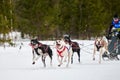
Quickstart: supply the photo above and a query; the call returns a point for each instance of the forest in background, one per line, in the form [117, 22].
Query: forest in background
[51, 19]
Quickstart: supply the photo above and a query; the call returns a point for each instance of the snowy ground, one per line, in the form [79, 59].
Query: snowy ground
[16, 64]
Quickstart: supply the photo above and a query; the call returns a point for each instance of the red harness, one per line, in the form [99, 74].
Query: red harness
[60, 52]
[31, 46]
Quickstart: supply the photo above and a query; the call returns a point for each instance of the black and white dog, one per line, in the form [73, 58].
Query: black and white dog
[42, 50]
[75, 47]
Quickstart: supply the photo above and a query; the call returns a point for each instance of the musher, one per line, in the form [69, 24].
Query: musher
[114, 29]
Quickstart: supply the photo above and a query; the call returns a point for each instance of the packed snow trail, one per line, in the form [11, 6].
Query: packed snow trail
[16, 64]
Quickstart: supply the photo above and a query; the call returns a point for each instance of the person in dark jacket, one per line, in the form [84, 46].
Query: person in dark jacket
[115, 26]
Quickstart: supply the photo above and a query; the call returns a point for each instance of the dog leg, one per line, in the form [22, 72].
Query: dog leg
[50, 62]
[100, 55]
[69, 57]
[58, 58]
[43, 60]
[78, 56]
[35, 59]
[72, 58]
[65, 58]
[60, 62]
[94, 52]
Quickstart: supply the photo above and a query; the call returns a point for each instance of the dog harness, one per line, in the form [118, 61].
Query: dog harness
[98, 44]
[61, 51]
[31, 46]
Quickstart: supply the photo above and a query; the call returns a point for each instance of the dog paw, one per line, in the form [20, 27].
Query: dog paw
[59, 65]
[33, 63]
[93, 59]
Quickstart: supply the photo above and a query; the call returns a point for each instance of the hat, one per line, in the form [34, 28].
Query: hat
[115, 16]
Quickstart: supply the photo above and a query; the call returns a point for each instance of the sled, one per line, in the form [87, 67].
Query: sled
[114, 45]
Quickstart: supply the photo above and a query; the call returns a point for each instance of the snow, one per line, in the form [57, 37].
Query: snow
[16, 64]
